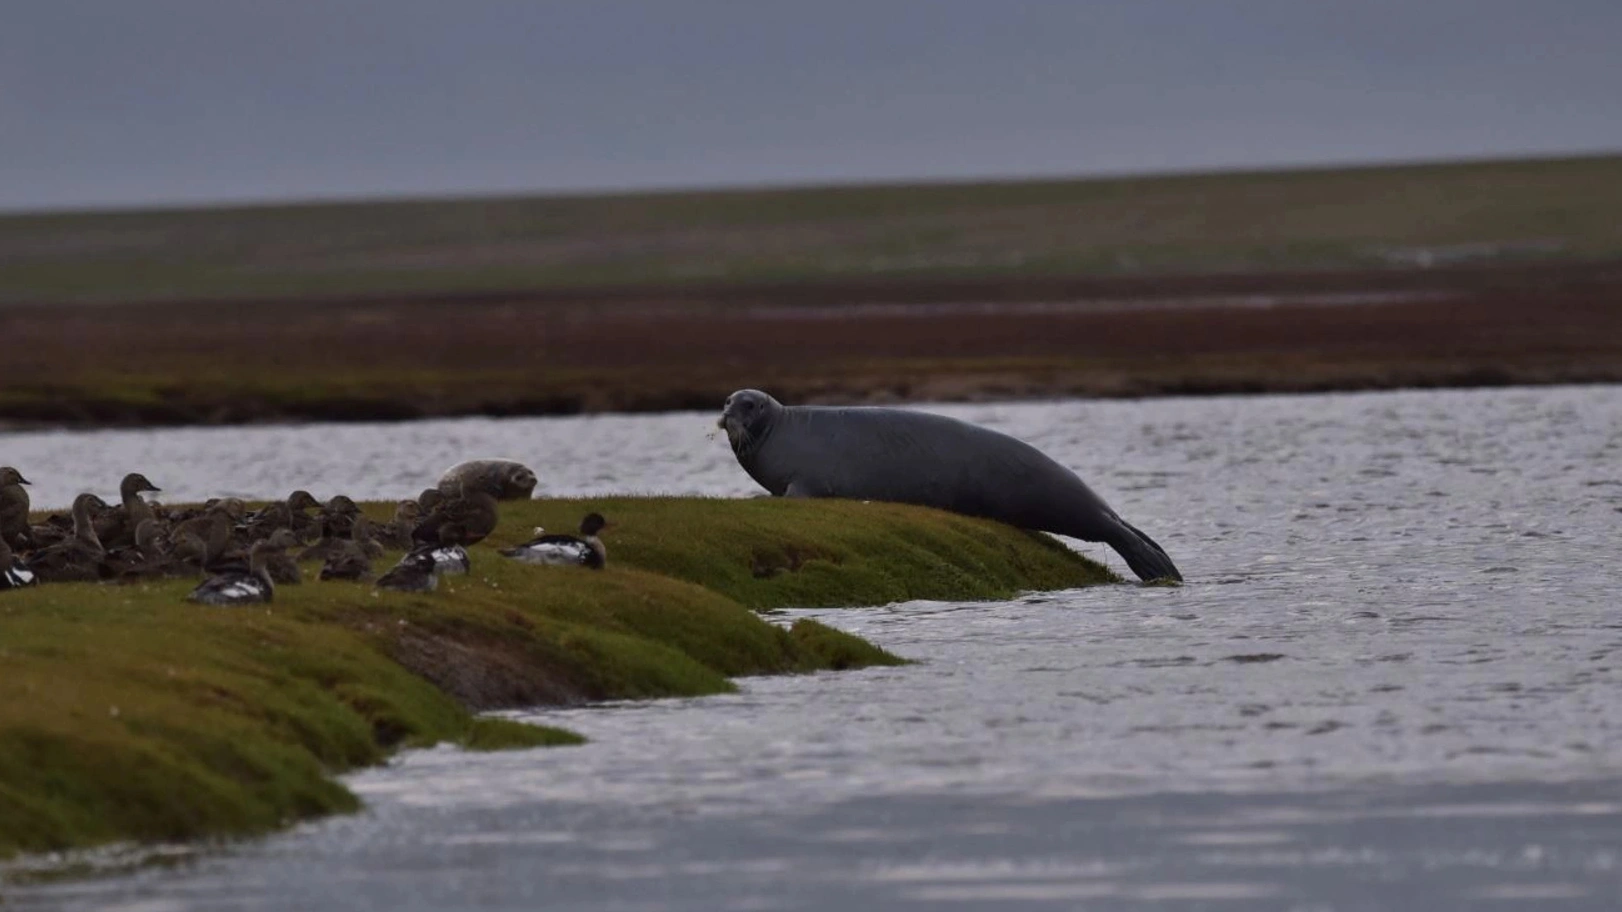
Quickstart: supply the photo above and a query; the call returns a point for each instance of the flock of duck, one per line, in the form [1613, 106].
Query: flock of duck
[242, 555]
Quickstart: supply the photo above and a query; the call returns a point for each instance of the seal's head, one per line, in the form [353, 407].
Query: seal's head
[520, 482]
[746, 417]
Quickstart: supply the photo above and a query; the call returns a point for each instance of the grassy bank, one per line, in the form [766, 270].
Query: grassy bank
[129, 714]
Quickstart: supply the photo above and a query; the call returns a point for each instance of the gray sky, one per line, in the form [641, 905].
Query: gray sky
[164, 101]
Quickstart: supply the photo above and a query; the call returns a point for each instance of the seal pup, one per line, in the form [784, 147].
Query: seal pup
[566, 550]
[503, 479]
[889, 454]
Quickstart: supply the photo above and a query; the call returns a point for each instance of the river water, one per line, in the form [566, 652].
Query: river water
[1394, 680]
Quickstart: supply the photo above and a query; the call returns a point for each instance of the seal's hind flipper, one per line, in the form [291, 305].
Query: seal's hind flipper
[1146, 558]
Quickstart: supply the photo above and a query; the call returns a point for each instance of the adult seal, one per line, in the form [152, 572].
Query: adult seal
[502, 479]
[912, 457]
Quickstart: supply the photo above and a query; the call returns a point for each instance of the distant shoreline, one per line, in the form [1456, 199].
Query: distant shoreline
[656, 349]
[98, 415]
[1464, 274]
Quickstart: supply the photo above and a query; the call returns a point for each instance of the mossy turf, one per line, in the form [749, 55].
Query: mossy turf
[127, 713]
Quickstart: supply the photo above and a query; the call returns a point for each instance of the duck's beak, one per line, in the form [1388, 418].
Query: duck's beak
[22, 480]
[154, 489]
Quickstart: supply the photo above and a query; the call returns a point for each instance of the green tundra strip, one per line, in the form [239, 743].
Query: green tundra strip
[127, 713]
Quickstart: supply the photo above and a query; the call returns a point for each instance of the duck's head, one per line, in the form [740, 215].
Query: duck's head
[135, 483]
[148, 535]
[746, 415]
[10, 476]
[274, 513]
[592, 524]
[429, 499]
[302, 500]
[89, 503]
[342, 506]
[280, 540]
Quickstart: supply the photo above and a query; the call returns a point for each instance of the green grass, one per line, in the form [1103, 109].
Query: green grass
[127, 713]
[1225, 221]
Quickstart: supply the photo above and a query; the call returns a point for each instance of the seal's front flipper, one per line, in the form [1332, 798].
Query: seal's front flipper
[798, 488]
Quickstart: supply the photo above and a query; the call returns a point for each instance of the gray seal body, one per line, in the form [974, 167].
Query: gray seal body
[888, 454]
[503, 479]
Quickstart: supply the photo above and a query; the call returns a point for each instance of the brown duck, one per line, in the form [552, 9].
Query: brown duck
[429, 499]
[463, 519]
[305, 526]
[116, 527]
[151, 558]
[396, 534]
[263, 523]
[338, 517]
[346, 561]
[14, 505]
[204, 539]
[79, 557]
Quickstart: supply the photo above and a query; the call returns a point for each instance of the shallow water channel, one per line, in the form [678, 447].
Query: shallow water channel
[1393, 681]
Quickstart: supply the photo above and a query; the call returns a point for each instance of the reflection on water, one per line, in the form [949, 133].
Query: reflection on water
[1393, 681]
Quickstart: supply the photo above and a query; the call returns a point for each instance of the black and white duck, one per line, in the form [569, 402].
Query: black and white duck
[13, 575]
[416, 572]
[446, 558]
[253, 587]
[586, 550]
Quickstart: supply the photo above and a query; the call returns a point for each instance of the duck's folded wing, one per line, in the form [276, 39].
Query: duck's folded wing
[560, 547]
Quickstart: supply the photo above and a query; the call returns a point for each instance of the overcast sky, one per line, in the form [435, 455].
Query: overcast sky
[166, 101]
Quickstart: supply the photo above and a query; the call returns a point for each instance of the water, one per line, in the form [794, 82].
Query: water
[1393, 681]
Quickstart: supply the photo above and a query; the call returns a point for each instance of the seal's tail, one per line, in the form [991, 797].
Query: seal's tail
[1147, 559]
